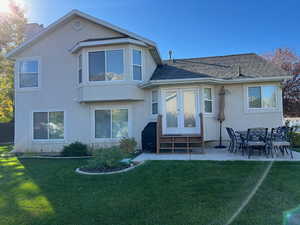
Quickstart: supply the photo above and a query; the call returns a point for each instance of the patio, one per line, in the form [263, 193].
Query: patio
[216, 155]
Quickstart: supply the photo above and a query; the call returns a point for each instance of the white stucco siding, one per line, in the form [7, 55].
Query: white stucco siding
[59, 90]
[149, 65]
[236, 113]
[58, 87]
[240, 118]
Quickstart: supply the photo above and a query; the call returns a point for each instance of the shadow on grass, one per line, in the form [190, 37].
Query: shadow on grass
[278, 199]
[39, 191]
[5, 148]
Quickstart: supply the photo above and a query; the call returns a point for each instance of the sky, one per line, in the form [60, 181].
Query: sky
[191, 28]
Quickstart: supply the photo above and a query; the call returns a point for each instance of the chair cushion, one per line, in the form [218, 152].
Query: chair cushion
[281, 143]
[256, 143]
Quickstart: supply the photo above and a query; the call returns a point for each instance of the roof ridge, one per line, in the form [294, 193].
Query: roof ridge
[218, 56]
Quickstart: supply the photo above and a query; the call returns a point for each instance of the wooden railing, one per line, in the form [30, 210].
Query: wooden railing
[202, 129]
[158, 132]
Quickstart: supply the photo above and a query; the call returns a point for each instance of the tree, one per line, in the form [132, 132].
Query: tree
[289, 61]
[12, 27]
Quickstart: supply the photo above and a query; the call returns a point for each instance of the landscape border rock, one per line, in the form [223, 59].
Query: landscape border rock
[107, 173]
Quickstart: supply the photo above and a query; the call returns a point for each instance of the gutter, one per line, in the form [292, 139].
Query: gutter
[152, 83]
[153, 50]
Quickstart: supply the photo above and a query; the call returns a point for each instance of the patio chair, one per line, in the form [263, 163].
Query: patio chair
[256, 139]
[280, 140]
[236, 142]
[231, 144]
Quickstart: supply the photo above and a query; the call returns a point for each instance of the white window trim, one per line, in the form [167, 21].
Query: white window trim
[261, 110]
[212, 101]
[48, 140]
[154, 114]
[93, 122]
[132, 64]
[105, 50]
[17, 71]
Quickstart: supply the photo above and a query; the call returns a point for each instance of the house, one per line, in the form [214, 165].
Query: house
[83, 79]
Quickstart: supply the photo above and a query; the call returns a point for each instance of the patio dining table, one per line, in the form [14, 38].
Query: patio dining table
[243, 134]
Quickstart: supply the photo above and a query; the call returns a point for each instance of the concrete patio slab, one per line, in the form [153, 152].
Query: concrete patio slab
[216, 155]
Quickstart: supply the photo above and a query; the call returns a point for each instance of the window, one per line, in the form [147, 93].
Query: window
[106, 65]
[208, 100]
[48, 125]
[154, 102]
[28, 74]
[137, 64]
[80, 69]
[262, 97]
[111, 123]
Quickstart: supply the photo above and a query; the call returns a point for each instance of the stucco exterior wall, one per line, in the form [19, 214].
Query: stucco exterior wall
[236, 113]
[239, 118]
[59, 89]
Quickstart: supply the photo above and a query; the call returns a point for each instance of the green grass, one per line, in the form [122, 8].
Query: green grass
[297, 149]
[40, 192]
[279, 193]
[5, 148]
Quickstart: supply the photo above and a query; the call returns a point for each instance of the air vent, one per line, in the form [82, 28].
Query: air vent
[77, 25]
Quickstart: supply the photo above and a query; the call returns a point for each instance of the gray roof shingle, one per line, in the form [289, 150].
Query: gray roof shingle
[225, 67]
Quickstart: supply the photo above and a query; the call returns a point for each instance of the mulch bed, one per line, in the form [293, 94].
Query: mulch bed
[106, 170]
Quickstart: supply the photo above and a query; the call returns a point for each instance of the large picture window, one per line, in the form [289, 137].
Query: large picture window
[106, 65]
[111, 123]
[48, 125]
[28, 73]
[262, 97]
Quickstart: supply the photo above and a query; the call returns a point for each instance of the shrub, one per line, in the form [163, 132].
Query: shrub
[75, 149]
[106, 158]
[128, 145]
[295, 139]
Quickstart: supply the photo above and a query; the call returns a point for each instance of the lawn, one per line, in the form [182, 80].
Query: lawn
[40, 192]
[297, 149]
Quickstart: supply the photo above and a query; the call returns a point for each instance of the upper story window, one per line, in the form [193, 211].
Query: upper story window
[137, 64]
[208, 100]
[80, 69]
[106, 65]
[28, 73]
[154, 102]
[262, 97]
[48, 125]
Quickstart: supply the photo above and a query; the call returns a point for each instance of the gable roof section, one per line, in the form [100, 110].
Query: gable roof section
[71, 15]
[122, 40]
[226, 67]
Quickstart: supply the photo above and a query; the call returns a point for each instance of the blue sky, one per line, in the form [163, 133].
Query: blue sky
[191, 28]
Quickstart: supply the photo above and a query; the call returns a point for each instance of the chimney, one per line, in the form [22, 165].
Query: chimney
[32, 29]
